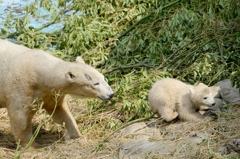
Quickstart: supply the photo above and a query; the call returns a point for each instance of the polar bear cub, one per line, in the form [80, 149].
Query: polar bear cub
[171, 98]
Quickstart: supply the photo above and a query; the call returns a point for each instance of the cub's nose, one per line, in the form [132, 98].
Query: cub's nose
[213, 104]
[111, 95]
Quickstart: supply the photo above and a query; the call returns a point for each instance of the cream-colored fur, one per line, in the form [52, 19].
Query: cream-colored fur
[171, 98]
[28, 75]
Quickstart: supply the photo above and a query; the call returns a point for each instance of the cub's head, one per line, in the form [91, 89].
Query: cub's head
[86, 82]
[202, 95]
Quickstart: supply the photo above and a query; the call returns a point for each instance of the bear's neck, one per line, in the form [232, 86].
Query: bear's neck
[53, 76]
[194, 103]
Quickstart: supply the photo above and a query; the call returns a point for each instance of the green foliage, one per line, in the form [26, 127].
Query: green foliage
[137, 42]
[135, 85]
[235, 78]
[132, 93]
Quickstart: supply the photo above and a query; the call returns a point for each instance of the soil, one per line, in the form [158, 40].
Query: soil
[153, 138]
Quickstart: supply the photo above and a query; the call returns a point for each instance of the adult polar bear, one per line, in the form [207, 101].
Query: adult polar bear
[171, 98]
[27, 75]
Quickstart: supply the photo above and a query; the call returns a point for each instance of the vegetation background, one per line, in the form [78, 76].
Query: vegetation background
[136, 42]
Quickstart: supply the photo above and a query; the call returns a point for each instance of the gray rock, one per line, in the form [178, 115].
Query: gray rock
[228, 93]
[196, 138]
[140, 148]
[232, 147]
[134, 128]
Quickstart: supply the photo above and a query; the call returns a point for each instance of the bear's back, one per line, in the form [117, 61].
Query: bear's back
[170, 86]
[9, 49]
[169, 92]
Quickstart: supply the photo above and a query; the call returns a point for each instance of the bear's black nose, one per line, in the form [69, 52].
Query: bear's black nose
[111, 95]
[213, 104]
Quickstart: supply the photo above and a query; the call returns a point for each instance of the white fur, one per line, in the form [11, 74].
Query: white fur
[28, 75]
[171, 98]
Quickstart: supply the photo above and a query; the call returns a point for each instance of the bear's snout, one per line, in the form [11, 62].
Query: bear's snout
[106, 97]
[111, 95]
[213, 104]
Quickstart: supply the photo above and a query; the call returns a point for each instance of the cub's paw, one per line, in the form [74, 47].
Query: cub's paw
[170, 117]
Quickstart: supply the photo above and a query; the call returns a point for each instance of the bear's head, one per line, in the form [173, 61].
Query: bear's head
[86, 82]
[202, 95]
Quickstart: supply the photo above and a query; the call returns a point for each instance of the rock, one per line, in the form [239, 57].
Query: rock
[196, 138]
[137, 127]
[228, 93]
[232, 147]
[139, 148]
[144, 140]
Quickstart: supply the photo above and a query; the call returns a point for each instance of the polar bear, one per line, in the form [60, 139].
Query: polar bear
[28, 75]
[171, 98]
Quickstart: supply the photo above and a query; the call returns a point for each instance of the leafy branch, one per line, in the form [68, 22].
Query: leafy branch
[144, 18]
[141, 64]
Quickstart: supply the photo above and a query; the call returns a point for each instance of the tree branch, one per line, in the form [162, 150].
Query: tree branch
[103, 43]
[141, 64]
[128, 30]
[147, 16]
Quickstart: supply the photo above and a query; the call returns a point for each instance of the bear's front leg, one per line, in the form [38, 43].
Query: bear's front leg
[167, 113]
[21, 123]
[62, 115]
[203, 107]
[190, 115]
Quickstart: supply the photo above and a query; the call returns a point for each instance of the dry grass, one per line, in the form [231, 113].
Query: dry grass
[96, 127]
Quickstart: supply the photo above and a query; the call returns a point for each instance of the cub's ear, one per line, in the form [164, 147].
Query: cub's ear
[215, 90]
[201, 84]
[192, 90]
[79, 60]
[70, 76]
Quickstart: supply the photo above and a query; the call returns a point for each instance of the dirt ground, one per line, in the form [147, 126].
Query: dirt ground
[156, 138]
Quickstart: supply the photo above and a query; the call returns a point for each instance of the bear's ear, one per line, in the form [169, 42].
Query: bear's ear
[215, 90]
[79, 60]
[192, 90]
[201, 84]
[70, 76]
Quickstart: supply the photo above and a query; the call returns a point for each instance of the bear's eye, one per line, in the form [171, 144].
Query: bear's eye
[205, 98]
[88, 77]
[95, 84]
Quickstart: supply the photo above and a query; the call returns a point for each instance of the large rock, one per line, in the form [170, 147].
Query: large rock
[139, 148]
[232, 147]
[146, 139]
[228, 93]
